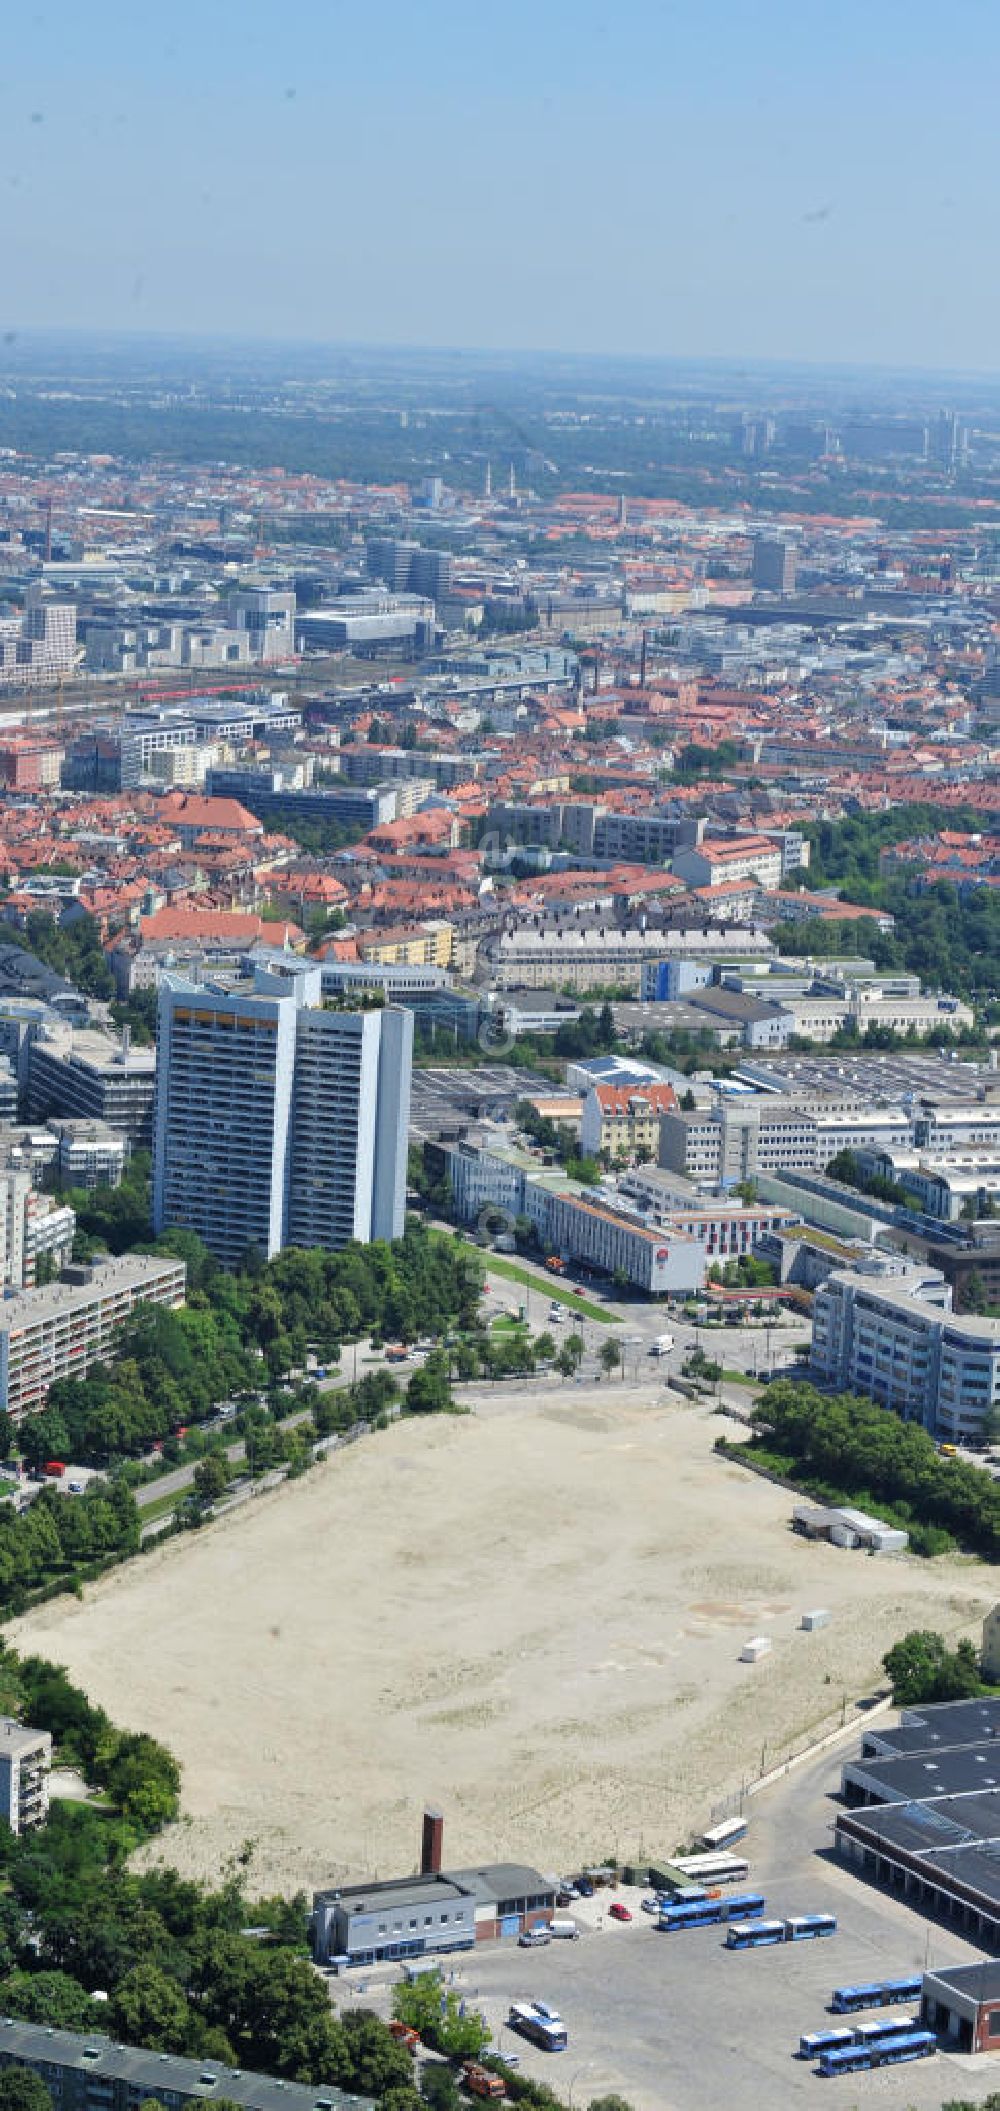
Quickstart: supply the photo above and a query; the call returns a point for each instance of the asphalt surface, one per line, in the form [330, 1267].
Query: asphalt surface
[679, 2023]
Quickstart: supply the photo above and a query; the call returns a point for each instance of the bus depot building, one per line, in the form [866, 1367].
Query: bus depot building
[963, 2006]
[434, 1912]
[923, 1817]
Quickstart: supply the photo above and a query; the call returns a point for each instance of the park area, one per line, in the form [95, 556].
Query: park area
[531, 1615]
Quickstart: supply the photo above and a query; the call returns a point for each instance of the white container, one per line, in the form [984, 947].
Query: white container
[757, 1647]
[844, 1536]
[810, 1621]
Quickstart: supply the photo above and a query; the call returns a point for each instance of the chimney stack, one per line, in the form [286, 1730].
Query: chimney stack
[432, 1843]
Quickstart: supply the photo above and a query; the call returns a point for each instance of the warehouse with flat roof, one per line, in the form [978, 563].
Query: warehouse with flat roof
[923, 1815]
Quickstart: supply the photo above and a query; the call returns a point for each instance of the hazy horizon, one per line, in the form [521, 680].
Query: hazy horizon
[645, 181]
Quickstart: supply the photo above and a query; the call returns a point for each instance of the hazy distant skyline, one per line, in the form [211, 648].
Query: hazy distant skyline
[783, 180]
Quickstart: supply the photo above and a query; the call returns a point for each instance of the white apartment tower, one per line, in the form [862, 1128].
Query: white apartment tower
[279, 1122]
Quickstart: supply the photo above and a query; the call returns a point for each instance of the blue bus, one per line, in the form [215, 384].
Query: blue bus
[745, 1906]
[754, 1934]
[851, 2059]
[880, 2033]
[702, 1914]
[874, 1993]
[817, 2041]
[548, 2031]
[804, 1927]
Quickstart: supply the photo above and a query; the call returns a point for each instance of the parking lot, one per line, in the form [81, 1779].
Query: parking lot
[440, 1097]
[679, 2023]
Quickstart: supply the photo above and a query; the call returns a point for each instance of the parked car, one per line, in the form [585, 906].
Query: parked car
[567, 1891]
[618, 1912]
[584, 1886]
[651, 1905]
[533, 1938]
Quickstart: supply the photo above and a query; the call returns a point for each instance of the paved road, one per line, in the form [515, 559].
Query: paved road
[181, 1477]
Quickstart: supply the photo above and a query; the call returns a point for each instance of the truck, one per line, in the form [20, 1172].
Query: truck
[662, 1345]
[406, 2036]
[53, 1469]
[480, 2082]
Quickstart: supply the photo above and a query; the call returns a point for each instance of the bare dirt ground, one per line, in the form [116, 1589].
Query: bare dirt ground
[531, 1615]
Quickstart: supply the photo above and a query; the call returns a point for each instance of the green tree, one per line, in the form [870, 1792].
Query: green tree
[922, 1668]
[574, 1346]
[53, 1999]
[211, 1477]
[21, 2090]
[436, 2012]
[611, 1356]
[439, 2088]
[378, 2062]
[429, 1389]
[149, 2008]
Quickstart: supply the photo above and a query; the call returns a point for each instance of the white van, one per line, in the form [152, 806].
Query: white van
[562, 1929]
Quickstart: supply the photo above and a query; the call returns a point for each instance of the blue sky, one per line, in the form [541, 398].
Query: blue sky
[746, 177]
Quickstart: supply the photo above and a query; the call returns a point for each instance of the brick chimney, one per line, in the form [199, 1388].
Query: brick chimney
[431, 1843]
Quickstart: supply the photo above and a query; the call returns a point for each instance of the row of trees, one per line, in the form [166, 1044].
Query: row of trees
[849, 1446]
[61, 1539]
[241, 1333]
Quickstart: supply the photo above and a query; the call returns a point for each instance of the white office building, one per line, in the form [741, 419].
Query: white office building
[886, 1328]
[279, 1122]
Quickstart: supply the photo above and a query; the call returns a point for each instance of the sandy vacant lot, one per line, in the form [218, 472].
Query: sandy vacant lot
[531, 1615]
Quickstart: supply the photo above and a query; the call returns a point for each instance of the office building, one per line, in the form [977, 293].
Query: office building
[32, 1227]
[91, 2073]
[433, 1912]
[86, 1073]
[60, 1331]
[568, 953]
[279, 1122]
[431, 574]
[744, 1134]
[90, 1153]
[25, 1764]
[773, 565]
[389, 559]
[39, 645]
[886, 1328]
[369, 623]
[267, 619]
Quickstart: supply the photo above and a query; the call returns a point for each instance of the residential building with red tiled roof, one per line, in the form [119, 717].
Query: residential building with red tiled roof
[623, 1121]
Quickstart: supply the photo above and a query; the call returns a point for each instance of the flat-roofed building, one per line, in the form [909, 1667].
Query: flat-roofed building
[60, 1331]
[81, 1072]
[279, 1120]
[886, 1329]
[25, 1765]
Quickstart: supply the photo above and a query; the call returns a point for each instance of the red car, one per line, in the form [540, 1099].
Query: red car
[617, 1912]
